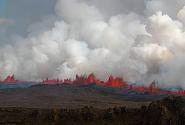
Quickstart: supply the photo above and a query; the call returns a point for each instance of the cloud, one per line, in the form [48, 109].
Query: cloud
[85, 39]
[169, 7]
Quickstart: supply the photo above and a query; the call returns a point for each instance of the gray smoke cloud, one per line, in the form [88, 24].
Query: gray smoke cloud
[140, 41]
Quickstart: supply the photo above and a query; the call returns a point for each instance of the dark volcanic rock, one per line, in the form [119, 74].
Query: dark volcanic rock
[170, 111]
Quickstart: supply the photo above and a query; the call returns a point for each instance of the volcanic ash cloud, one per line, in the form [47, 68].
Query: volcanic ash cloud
[140, 46]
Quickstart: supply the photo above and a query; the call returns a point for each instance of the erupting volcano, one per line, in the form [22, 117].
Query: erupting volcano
[86, 37]
[114, 82]
[67, 54]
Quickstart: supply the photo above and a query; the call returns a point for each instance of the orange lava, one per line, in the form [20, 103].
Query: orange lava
[10, 79]
[113, 82]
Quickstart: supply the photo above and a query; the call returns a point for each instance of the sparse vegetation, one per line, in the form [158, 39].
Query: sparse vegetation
[170, 111]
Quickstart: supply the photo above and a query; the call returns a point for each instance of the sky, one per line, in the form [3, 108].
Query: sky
[21, 14]
[3, 7]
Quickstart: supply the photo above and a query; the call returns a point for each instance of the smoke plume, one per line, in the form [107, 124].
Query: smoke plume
[140, 42]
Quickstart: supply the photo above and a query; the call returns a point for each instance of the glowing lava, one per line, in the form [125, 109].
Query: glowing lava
[91, 79]
[10, 79]
[112, 82]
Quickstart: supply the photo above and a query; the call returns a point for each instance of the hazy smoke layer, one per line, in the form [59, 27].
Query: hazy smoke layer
[137, 40]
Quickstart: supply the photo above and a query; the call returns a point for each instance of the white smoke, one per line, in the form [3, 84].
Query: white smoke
[141, 45]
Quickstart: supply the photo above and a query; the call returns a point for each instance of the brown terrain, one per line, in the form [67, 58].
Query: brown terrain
[57, 96]
[87, 105]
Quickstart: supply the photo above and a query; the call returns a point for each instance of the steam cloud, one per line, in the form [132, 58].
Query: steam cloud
[140, 43]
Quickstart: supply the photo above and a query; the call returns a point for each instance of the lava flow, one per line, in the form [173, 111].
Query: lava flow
[91, 79]
[112, 82]
[10, 79]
